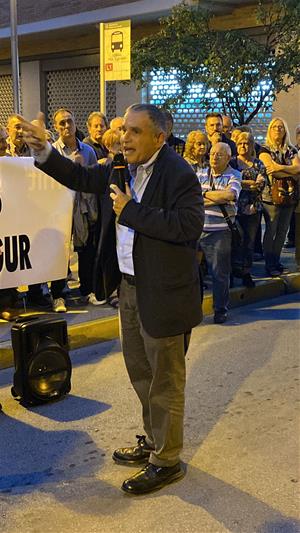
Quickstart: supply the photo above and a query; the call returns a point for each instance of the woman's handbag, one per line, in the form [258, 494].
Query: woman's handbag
[284, 191]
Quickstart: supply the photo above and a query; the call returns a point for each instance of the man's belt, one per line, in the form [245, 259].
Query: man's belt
[129, 278]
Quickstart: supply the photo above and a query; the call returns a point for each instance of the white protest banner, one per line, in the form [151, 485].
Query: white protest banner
[35, 224]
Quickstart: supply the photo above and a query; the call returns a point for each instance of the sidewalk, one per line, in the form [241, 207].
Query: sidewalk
[92, 324]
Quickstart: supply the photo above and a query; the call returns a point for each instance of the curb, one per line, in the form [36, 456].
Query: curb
[105, 329]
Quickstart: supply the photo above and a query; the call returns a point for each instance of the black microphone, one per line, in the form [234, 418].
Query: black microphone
[119, 174]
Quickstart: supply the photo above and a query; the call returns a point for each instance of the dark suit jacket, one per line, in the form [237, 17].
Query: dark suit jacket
[167, 223]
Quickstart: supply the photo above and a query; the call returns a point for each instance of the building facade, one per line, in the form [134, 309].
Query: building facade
[59, 58]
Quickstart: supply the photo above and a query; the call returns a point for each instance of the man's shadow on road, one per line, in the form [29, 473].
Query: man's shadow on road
[214, 378]
[63, 463]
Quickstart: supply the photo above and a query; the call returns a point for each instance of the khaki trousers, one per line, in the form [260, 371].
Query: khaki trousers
[156, 369]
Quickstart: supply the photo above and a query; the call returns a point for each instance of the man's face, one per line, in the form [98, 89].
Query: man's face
[227, 126]
[96, 129]
[140, 140]
[116, 124]
[219, 158]
[65, 126]
[15, 132]
[169, 126]
[3, 143]
[213, 124]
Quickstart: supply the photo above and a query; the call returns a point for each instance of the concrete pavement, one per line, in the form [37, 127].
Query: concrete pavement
[241, 438]
[88, 325]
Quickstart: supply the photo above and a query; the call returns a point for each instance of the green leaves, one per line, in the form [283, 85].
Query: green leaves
[231, 63]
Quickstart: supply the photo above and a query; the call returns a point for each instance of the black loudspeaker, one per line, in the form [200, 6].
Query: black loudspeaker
[42, 363]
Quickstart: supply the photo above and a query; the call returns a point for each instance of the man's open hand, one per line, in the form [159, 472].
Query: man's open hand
[35, 133]
[119, 198]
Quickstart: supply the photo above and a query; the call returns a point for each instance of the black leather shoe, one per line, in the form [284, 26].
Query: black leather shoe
[220, 317]
[39, 302]
[152, 478]
[248, 281]
[133, 454]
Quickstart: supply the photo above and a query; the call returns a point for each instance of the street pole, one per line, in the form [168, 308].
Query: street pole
[15, 55]
[102, 70]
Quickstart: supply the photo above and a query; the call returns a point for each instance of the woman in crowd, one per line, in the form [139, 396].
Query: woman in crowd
[111, 139]
[235, 133]
[196, 153]
[250, 201]
[197, 150]
[281, 161]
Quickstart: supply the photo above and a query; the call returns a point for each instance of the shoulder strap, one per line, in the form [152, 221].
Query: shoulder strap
[220, 206]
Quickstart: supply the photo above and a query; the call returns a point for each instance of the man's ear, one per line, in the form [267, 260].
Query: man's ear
[161, 137]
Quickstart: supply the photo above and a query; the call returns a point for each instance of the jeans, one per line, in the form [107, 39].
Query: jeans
[250, 224]
[277, 223]
[216, 246]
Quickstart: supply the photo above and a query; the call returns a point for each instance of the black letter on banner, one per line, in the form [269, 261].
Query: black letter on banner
[11, 259]
[24, 247]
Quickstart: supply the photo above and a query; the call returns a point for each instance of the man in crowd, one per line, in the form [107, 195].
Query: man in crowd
[213, 126]
[227, 126]
[97, 124]
[17, 147]
[175, 142]
[8, 297]
[148, 243]
[85, 213]
[221, 184]
[116, 124]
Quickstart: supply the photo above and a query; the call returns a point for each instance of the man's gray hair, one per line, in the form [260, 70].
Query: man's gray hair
[155, 114]
[97, 114]
[225, 146]
[62, 110]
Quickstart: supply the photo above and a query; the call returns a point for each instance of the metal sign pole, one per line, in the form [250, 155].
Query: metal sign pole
[15, 55]
[102, 71]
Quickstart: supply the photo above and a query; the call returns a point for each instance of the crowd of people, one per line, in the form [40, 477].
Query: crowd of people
[244, 184]
[181, 202]
[235, 172]
[102, 142]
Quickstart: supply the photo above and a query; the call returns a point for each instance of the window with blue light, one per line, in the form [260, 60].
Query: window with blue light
[190, 114]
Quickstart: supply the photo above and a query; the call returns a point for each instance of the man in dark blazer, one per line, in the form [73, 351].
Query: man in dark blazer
[148, 248]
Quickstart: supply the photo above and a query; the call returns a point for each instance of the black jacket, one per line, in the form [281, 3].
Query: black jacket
[167, 223]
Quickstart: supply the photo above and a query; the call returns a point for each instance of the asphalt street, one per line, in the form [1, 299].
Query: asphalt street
[241, 438]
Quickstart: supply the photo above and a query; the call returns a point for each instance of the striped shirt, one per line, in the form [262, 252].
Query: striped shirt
[230, 180]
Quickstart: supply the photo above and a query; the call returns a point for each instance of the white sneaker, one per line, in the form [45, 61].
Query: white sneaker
[59, 305]
[93, 300]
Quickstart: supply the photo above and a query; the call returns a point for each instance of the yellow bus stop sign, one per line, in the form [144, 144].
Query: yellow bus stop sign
[117, 41]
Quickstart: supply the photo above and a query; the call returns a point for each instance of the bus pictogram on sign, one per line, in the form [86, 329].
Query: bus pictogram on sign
[117, 41]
